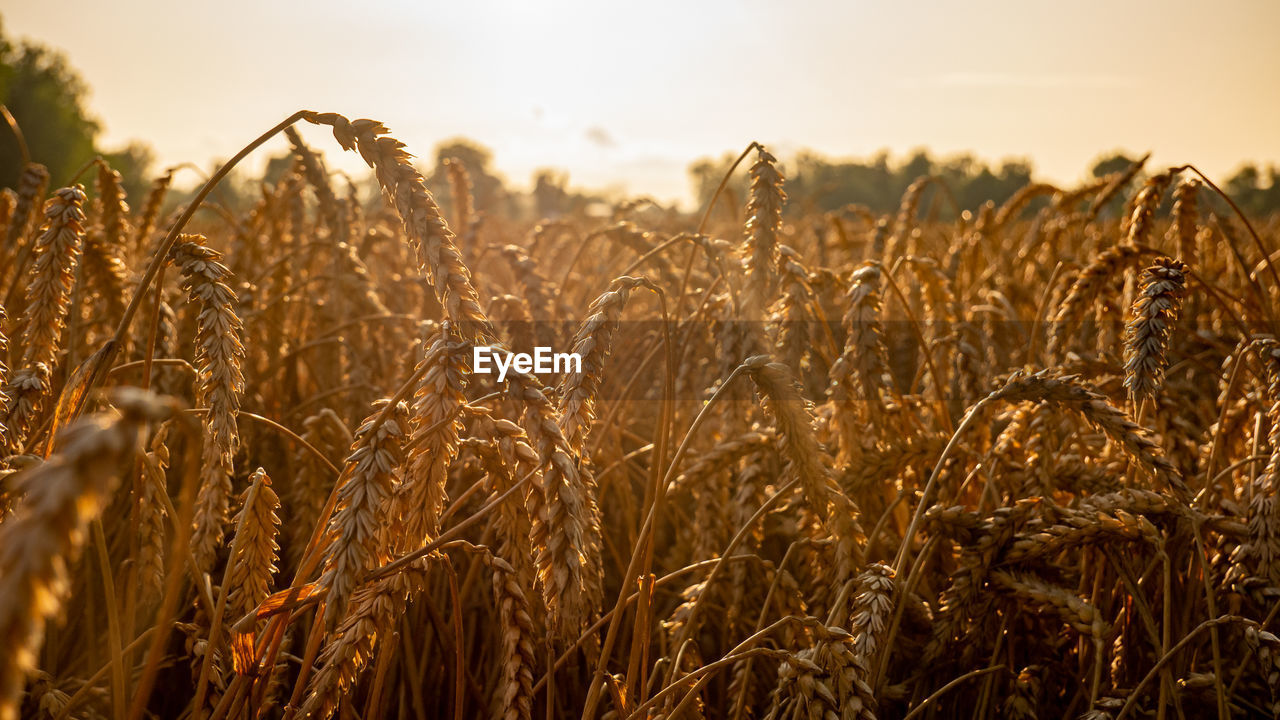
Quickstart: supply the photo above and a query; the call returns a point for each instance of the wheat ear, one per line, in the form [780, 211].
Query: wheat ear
[864, 356]
[47, 530]
[373, 612]
[430, 236]
[806, 459]
[254, 563]
[566, 521]
[824, 682]
[460, 192]
[23, 395]
[905, 219]
[114, 219]
[1145, 205]
[149, 509]
[1084, 617]
[872, 607]
[791, 313]
[764, 221]
[593, 342]
[515, 627]
[1186, 215]
[507, 457]
[53, 275]
[436, 427]
[313, 480]
[1068, 392]
[105, 244]
[1084, 291]
[358, 526]
[146, 221]
[1259, 555]
[8, 204]
[220, 383]
[31, 186]
[1146, 344]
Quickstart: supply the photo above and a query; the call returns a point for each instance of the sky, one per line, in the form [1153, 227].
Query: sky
[626, 95]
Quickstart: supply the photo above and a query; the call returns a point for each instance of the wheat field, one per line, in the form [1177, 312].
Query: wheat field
[1020, 462]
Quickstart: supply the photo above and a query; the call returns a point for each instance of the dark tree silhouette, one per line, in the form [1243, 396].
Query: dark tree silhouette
[47, 97]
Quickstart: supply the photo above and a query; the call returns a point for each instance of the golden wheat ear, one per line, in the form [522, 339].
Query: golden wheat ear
[1146, 344]
[47, 530]
[31, 186]
[356, 530]
[219, 359]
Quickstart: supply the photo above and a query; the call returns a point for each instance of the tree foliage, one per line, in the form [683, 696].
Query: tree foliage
[47, 97]
[819, 183]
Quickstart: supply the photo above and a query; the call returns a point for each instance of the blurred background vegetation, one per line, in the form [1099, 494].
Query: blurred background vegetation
[48, 99]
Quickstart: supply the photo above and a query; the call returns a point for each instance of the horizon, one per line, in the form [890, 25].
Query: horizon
[627, 102]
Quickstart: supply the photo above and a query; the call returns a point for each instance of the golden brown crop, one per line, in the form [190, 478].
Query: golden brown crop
[812, 465]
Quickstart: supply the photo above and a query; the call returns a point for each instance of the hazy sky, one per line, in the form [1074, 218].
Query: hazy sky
[629, 93]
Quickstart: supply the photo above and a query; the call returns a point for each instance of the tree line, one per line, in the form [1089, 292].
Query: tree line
[48, 100]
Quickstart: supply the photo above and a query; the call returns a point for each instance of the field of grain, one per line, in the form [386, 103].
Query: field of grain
[1020, 462]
